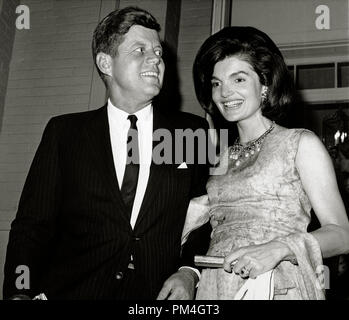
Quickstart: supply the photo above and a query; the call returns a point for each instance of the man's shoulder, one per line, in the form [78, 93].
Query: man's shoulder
[75, 119]
[77, 116]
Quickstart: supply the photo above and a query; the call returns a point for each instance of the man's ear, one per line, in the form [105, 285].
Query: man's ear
[104, 63]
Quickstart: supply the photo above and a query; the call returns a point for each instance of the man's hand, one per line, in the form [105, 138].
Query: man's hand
[180, 286]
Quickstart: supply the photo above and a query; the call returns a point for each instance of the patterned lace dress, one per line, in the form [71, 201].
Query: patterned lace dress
[253, 203]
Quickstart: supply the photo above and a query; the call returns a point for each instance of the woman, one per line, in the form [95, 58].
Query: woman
[260, 208]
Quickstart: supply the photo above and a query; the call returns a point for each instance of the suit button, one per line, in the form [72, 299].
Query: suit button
[119, 275]
[136, 238]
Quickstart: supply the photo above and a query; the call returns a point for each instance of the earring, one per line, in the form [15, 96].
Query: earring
[264, 94]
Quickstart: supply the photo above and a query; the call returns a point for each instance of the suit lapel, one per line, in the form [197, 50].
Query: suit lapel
[99, 136]
[156, 173]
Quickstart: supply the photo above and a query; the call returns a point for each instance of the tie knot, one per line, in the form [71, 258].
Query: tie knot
[133, 119]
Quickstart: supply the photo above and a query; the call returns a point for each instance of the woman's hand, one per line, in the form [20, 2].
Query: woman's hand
[254, 260]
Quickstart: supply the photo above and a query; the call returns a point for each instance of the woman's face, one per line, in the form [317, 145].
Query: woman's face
[236, 89]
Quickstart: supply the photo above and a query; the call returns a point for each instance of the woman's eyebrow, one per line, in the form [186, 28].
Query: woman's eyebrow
[231, 75]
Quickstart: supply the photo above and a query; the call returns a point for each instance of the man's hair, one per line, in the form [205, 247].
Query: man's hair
[256, 48]
[110, 31]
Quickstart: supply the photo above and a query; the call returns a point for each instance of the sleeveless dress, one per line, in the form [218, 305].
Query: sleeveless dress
[254, 203]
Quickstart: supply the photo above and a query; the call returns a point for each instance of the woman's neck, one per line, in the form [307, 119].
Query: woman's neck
[251, 129]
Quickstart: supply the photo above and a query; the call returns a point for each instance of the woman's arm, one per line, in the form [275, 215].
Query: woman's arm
[319, 182]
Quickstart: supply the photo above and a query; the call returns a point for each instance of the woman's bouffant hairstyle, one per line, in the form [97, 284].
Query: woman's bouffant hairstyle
[110, 32]
[256, 48]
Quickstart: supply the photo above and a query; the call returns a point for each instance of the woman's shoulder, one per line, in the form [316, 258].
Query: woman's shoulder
[293, 131]
[290, 139]
[295, 135]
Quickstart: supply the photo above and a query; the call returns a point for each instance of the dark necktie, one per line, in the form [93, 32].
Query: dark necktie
[129, 183]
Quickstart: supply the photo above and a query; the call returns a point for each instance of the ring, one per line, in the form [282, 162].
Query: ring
[245, 271]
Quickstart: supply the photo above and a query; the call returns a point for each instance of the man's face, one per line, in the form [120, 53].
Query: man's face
[137, 69]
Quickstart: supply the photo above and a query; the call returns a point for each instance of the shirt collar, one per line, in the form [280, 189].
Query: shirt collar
[142, 115]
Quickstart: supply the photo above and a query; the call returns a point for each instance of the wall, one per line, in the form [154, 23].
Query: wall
[7, 35]
[195, 27]
[292, 21]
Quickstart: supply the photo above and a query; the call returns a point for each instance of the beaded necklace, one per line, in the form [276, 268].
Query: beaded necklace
[238, 152]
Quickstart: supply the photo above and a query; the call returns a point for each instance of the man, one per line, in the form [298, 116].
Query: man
[91, 224]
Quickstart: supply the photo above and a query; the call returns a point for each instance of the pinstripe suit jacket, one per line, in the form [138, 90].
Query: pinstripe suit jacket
[71, 228]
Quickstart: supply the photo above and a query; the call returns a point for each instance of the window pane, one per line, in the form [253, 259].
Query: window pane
[315, 76]
[343, 74]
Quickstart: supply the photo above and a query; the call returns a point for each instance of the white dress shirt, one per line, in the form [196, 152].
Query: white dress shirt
[118, 128]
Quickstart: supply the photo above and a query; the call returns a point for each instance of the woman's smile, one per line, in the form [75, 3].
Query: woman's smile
[236, 89]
